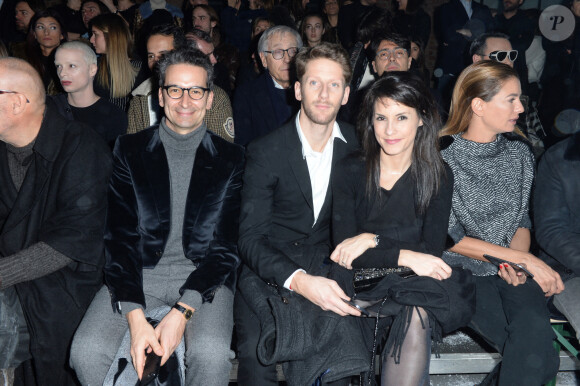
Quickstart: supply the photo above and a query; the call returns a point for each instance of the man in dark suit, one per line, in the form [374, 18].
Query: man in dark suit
[286, 202]
[520, 30]
[170, 238]
[266, 102]
[457, 23]
[53, 176]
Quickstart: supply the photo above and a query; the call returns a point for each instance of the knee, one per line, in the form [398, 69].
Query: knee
[534, 343]
[542, 365]
[209, 353]
[418, 331]
[532, 330]
[82, 349]
[246, 345]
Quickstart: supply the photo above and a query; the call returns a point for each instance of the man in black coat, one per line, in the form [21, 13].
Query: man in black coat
[286, 203]
[456, 25]
[520, 30]
[267, 102]
[54, 177]
[557, 220]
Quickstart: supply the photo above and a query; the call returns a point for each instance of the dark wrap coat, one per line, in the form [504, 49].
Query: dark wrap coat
[62, 202]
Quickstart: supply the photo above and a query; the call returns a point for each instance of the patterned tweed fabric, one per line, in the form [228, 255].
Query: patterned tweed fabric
[491, 194]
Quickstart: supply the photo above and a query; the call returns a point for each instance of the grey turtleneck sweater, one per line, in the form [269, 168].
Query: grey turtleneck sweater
[180, 151]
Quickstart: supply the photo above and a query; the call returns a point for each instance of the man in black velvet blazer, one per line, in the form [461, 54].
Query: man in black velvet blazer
[286, 202]
[170, 237]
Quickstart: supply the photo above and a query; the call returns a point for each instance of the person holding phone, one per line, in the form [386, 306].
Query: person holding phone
[170, 238]
[493, 168]
[391, 204]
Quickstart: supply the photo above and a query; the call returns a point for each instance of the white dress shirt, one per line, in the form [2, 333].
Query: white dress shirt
[319, 168]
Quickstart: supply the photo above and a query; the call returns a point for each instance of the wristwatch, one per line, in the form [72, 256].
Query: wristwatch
[376, 240]
[187, 313]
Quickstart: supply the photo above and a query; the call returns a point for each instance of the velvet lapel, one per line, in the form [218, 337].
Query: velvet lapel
[297, 162]
[157, 170]
[31, 190]
[202, 177]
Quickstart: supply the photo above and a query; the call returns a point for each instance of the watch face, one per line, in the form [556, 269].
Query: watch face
[188, 314]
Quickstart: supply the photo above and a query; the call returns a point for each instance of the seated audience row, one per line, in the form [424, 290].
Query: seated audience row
[409, 212]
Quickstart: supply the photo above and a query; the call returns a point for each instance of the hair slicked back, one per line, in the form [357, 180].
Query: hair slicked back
[185, 55]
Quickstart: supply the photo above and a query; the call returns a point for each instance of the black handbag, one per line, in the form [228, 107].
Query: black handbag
[366, 279]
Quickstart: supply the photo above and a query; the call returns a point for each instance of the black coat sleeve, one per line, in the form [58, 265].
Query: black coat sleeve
[258, 196]
[557, 226]
[124, 265]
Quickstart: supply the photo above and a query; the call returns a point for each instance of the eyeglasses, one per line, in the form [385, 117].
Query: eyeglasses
[499, 56]
[279, 54]
[13, 92]
[176, 92]
[398, 53]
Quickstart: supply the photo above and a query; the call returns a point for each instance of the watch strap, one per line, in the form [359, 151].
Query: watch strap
[187, 313]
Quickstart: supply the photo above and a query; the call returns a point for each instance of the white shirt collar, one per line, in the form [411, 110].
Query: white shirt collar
[306, 148]
[467, 5]
[276, 84]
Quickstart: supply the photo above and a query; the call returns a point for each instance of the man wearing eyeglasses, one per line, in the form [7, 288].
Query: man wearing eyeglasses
[391, 53]
[54, 176]
[267, 102]
[170, 238]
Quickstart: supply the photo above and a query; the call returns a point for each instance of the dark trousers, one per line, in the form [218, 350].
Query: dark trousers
[250, 371]
[516, 322]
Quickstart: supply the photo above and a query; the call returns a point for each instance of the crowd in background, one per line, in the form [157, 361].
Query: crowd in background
[251, 46]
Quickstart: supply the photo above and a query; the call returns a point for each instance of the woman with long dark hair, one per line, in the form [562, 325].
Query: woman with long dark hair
[494, 171]
[418, 55]
[390, 210]
[47, 32]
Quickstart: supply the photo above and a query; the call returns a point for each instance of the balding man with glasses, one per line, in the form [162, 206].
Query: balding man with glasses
[170, 238]
[267, 102]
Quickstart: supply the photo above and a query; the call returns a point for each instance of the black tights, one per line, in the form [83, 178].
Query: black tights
[413, 367]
